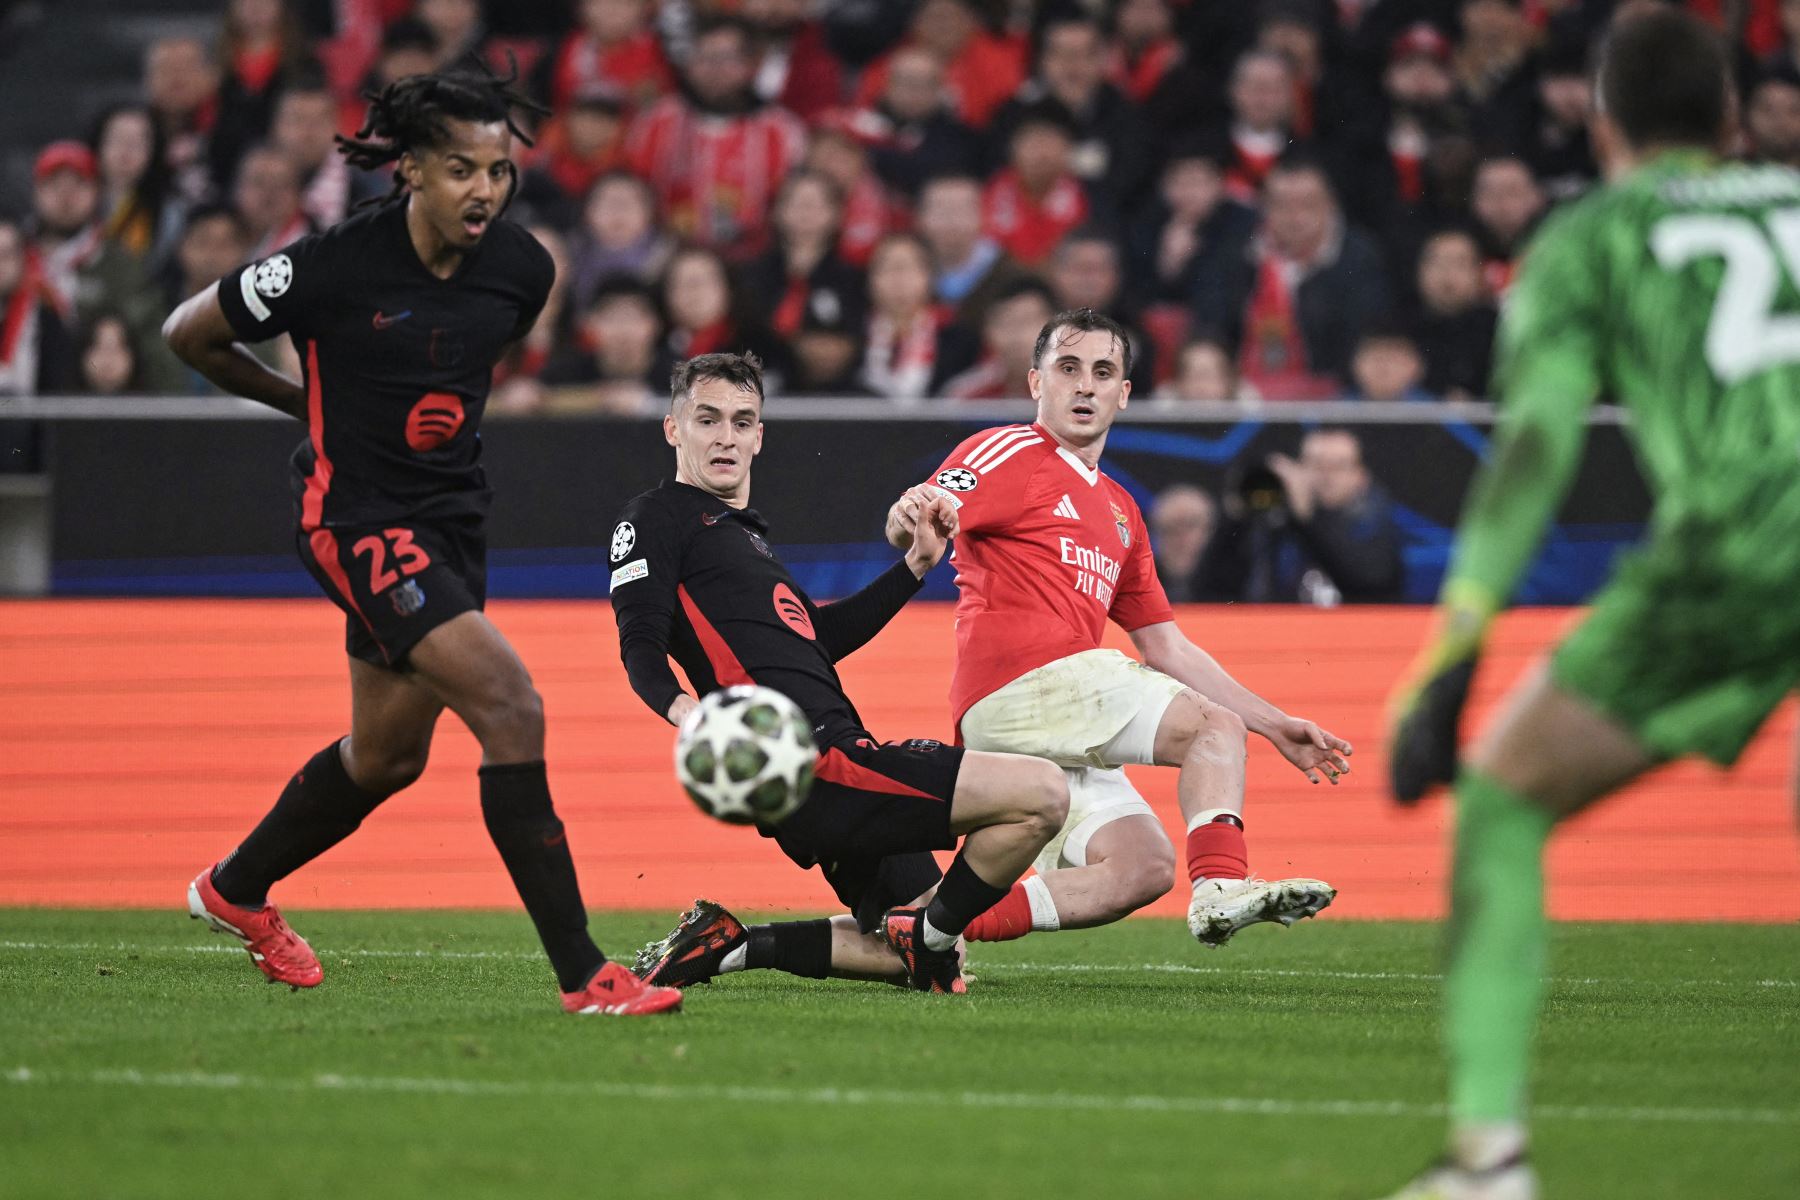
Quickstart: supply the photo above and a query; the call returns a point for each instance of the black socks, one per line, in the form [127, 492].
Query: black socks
[961, 897]
[320, 807]
[798, 947]
[515, 803]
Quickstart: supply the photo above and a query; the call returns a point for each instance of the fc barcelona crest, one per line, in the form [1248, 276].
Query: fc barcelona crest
[1123, 525]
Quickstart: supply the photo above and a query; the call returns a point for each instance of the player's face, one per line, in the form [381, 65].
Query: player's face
[1080, 385]
[716, 431]
[461, 186]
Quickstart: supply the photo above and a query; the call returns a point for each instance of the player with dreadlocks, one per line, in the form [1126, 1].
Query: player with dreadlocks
[399, 314]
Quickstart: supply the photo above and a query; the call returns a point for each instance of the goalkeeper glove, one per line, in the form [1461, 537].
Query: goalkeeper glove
[1428, 710]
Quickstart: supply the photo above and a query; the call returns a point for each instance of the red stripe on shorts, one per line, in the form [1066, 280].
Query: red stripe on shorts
[835, 766]
[325, 550]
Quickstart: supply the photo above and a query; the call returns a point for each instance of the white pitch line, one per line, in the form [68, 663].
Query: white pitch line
[977, 964]
[867, 1097]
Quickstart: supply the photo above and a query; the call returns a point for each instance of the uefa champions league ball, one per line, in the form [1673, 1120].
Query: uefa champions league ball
[746, 755]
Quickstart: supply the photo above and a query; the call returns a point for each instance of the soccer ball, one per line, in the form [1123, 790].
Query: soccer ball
[745, 756]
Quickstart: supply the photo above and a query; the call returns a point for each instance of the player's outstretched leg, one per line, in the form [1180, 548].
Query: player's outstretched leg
[1550, 755]
[392, 718]
[473, 669]
[708, 941]
[1206, 741]
[1006, 808]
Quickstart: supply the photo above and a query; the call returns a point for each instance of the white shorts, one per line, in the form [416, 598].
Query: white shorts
[1090, 713]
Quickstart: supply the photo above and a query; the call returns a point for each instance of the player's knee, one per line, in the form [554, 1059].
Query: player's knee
[396, 770]
[1047, 804]
[513, 714]
[1220, 736]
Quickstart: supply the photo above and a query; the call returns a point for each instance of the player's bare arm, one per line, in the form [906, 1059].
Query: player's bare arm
[913, 503]
[1317, 753]
[199, 334]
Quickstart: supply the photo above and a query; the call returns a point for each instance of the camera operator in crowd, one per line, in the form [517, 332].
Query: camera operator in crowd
[1311, 530]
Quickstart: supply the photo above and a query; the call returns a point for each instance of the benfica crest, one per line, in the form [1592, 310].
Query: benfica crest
[1123, 525]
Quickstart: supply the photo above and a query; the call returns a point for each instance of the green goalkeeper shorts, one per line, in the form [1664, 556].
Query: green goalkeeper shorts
[1697, 637]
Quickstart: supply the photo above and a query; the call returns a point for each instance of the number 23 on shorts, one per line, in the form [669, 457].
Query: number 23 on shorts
[409, 557]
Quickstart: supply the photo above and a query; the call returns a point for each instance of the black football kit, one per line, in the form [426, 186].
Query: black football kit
[696, 579]
[390, 496]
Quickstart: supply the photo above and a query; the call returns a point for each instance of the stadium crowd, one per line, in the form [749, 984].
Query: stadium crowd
[1282, 199]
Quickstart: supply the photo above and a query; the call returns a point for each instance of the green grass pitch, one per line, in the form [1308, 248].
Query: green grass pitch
[142, 1057]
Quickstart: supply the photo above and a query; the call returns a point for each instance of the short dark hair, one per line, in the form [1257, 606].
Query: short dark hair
[1084, 320]
[1663, 78]
[742, 371]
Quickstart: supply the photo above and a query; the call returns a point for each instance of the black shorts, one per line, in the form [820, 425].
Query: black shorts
[874, 816]
[398, 582]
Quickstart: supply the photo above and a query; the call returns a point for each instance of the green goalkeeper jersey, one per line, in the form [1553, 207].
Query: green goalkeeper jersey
[1675, 292]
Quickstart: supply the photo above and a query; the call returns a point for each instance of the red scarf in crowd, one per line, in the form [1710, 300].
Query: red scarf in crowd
[1029, 229]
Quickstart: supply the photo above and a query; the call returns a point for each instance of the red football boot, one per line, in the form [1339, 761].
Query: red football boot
[927, 970]
[616, 992]
[277, 951]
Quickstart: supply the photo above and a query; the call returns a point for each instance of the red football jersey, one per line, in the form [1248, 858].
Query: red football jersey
[1049, 549]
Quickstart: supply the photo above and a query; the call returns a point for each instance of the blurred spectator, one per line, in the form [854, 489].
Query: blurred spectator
[34, 341]
[65, 236]
[457, 26]
[1182, 521]
[1387, 367]
[1772, 117]
[801, 278]
[1086, 272]
[1388, 177]
[532, 354]
[1788, 14]
[1008, 334]
[267, 196]
[795, 69]
[1111, 153]
[1493, 66]
[108, 358]
[1291, 29]
[303, 128]
[1556, 142]
[181, 86]
[903, 342]
[1453, 325]
[612, 48]
[715, 153]
[213, 241]
[618, 236]
[706, 314]
[919, 134]
[825, 352]
[1033, 201]
[1147, 48]
[838, 151]
[971, 267]
[1507, 204]
[1260, 130]
[615, 351]
[407, 48]
[1299, 302]
[1316, 530]
[261, 47]
[1204, 373]
[1190, 231]
[137, 210]
[575, 148]
[982, 69]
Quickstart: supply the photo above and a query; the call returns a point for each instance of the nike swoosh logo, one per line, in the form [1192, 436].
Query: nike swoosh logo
[382, 321]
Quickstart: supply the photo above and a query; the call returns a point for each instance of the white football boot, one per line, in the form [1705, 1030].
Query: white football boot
[1221, 907]
[1511, 1180]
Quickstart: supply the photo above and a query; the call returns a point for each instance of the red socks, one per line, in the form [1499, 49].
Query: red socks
[1009, 919]
[1216, 850]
